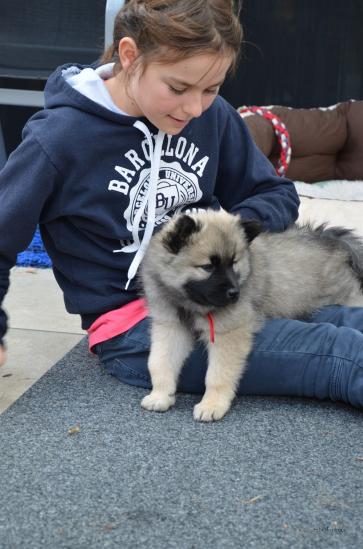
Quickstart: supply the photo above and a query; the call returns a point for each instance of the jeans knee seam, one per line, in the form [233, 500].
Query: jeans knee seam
[334, 380]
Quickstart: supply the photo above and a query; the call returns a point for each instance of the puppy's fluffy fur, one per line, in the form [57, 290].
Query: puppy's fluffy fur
[216, 263]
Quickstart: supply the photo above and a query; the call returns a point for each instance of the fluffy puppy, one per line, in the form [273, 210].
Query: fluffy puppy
[216, 277]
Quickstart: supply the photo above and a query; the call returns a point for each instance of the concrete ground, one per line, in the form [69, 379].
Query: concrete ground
[41, 331]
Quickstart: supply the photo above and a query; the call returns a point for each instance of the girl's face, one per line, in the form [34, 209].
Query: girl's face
[170, 95]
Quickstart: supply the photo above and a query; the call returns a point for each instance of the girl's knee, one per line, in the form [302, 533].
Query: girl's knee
[342, 349]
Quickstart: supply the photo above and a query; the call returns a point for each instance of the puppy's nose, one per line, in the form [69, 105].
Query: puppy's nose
[232, 294]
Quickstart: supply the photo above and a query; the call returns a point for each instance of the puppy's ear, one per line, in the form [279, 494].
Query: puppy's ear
[180, 234]
[251, 227]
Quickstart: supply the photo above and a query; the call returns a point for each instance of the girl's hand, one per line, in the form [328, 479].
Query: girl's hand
[2, 355]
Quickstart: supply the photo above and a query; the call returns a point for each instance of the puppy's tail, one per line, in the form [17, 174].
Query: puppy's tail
[347, 240]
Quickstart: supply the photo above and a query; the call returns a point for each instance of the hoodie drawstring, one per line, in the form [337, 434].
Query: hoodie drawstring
[148, 203]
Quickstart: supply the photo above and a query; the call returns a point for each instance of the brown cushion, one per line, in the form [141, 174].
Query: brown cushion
[327, 143]
[350, 157]
[312, 168]
[262, 133]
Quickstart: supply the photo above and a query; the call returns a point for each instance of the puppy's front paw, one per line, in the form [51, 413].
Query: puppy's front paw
[210, 411]
[158, 402]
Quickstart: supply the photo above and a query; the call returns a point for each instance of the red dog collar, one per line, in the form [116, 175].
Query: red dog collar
[211, 326]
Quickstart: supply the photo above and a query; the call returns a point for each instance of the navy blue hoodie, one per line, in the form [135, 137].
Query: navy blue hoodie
[83, 173]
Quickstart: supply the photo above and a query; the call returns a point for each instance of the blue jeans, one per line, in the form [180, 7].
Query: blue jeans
[321, 357]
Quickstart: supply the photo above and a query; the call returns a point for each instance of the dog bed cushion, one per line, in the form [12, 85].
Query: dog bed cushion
[327, 143]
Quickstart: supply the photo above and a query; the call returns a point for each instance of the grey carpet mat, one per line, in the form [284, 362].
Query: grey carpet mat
[275, 473]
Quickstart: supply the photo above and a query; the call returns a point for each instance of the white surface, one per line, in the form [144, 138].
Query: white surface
[41, 333]
[28, 98]
[332, 212]
[35, 302]
[112, 7]
[334, 190]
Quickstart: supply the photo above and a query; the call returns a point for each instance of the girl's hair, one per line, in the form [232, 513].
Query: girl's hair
[168, 31]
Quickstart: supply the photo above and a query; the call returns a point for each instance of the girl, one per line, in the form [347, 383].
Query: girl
[119, 150]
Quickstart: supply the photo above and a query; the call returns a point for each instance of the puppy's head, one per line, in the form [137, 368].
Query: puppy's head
[207, 257]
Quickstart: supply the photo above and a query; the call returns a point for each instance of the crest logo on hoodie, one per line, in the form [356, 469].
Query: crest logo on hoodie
[176, 188]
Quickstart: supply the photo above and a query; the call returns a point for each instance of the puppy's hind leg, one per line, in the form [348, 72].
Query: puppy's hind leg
[170, 346]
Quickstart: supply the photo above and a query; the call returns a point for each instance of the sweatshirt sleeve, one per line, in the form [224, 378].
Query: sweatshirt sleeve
[26, 182]
[247, 183]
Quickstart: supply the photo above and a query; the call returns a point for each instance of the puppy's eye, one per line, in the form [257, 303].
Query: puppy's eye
[207, 268]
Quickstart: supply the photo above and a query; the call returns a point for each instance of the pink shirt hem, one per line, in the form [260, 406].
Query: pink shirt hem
[116, 322]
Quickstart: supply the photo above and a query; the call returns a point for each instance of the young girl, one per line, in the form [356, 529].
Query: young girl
[118, 151]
